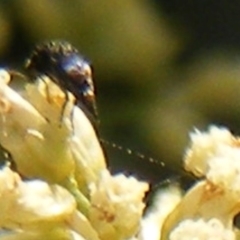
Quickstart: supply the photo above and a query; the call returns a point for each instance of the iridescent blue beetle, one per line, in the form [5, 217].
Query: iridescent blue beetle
[63, 64]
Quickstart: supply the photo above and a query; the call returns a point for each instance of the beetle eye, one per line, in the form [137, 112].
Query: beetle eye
[87, 71]
[78, 72]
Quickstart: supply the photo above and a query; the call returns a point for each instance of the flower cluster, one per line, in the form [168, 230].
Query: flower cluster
[207, 209]
[56, 185]
[61, 188]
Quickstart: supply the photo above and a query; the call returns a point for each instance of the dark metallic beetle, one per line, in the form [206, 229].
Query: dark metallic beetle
[63, 64]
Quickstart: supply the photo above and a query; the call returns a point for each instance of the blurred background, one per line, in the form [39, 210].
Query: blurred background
[161, 68]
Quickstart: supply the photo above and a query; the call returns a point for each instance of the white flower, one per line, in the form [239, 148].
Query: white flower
[116, 205]
[207, 209]
[204, 146]
[34, 209]
[202, 230]
[61, 188]
[164, 202]
[216, 155]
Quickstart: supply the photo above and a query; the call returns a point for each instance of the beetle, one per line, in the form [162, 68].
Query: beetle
[65, 66]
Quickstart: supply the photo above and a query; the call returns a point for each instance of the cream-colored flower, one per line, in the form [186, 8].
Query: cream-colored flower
[30, 202]
[61, 188]
[215, 155]
[116, 205]
[44, 144]
[164, 202]
[219, 152]
[33, 209]
[204, 146]
[200, 229]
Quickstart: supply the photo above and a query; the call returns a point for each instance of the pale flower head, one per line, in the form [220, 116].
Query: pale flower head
[40, 140]
[117, 205]
[31, 202]
[200, 229]
[204, 146]
[207, 210]
[61, 188]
